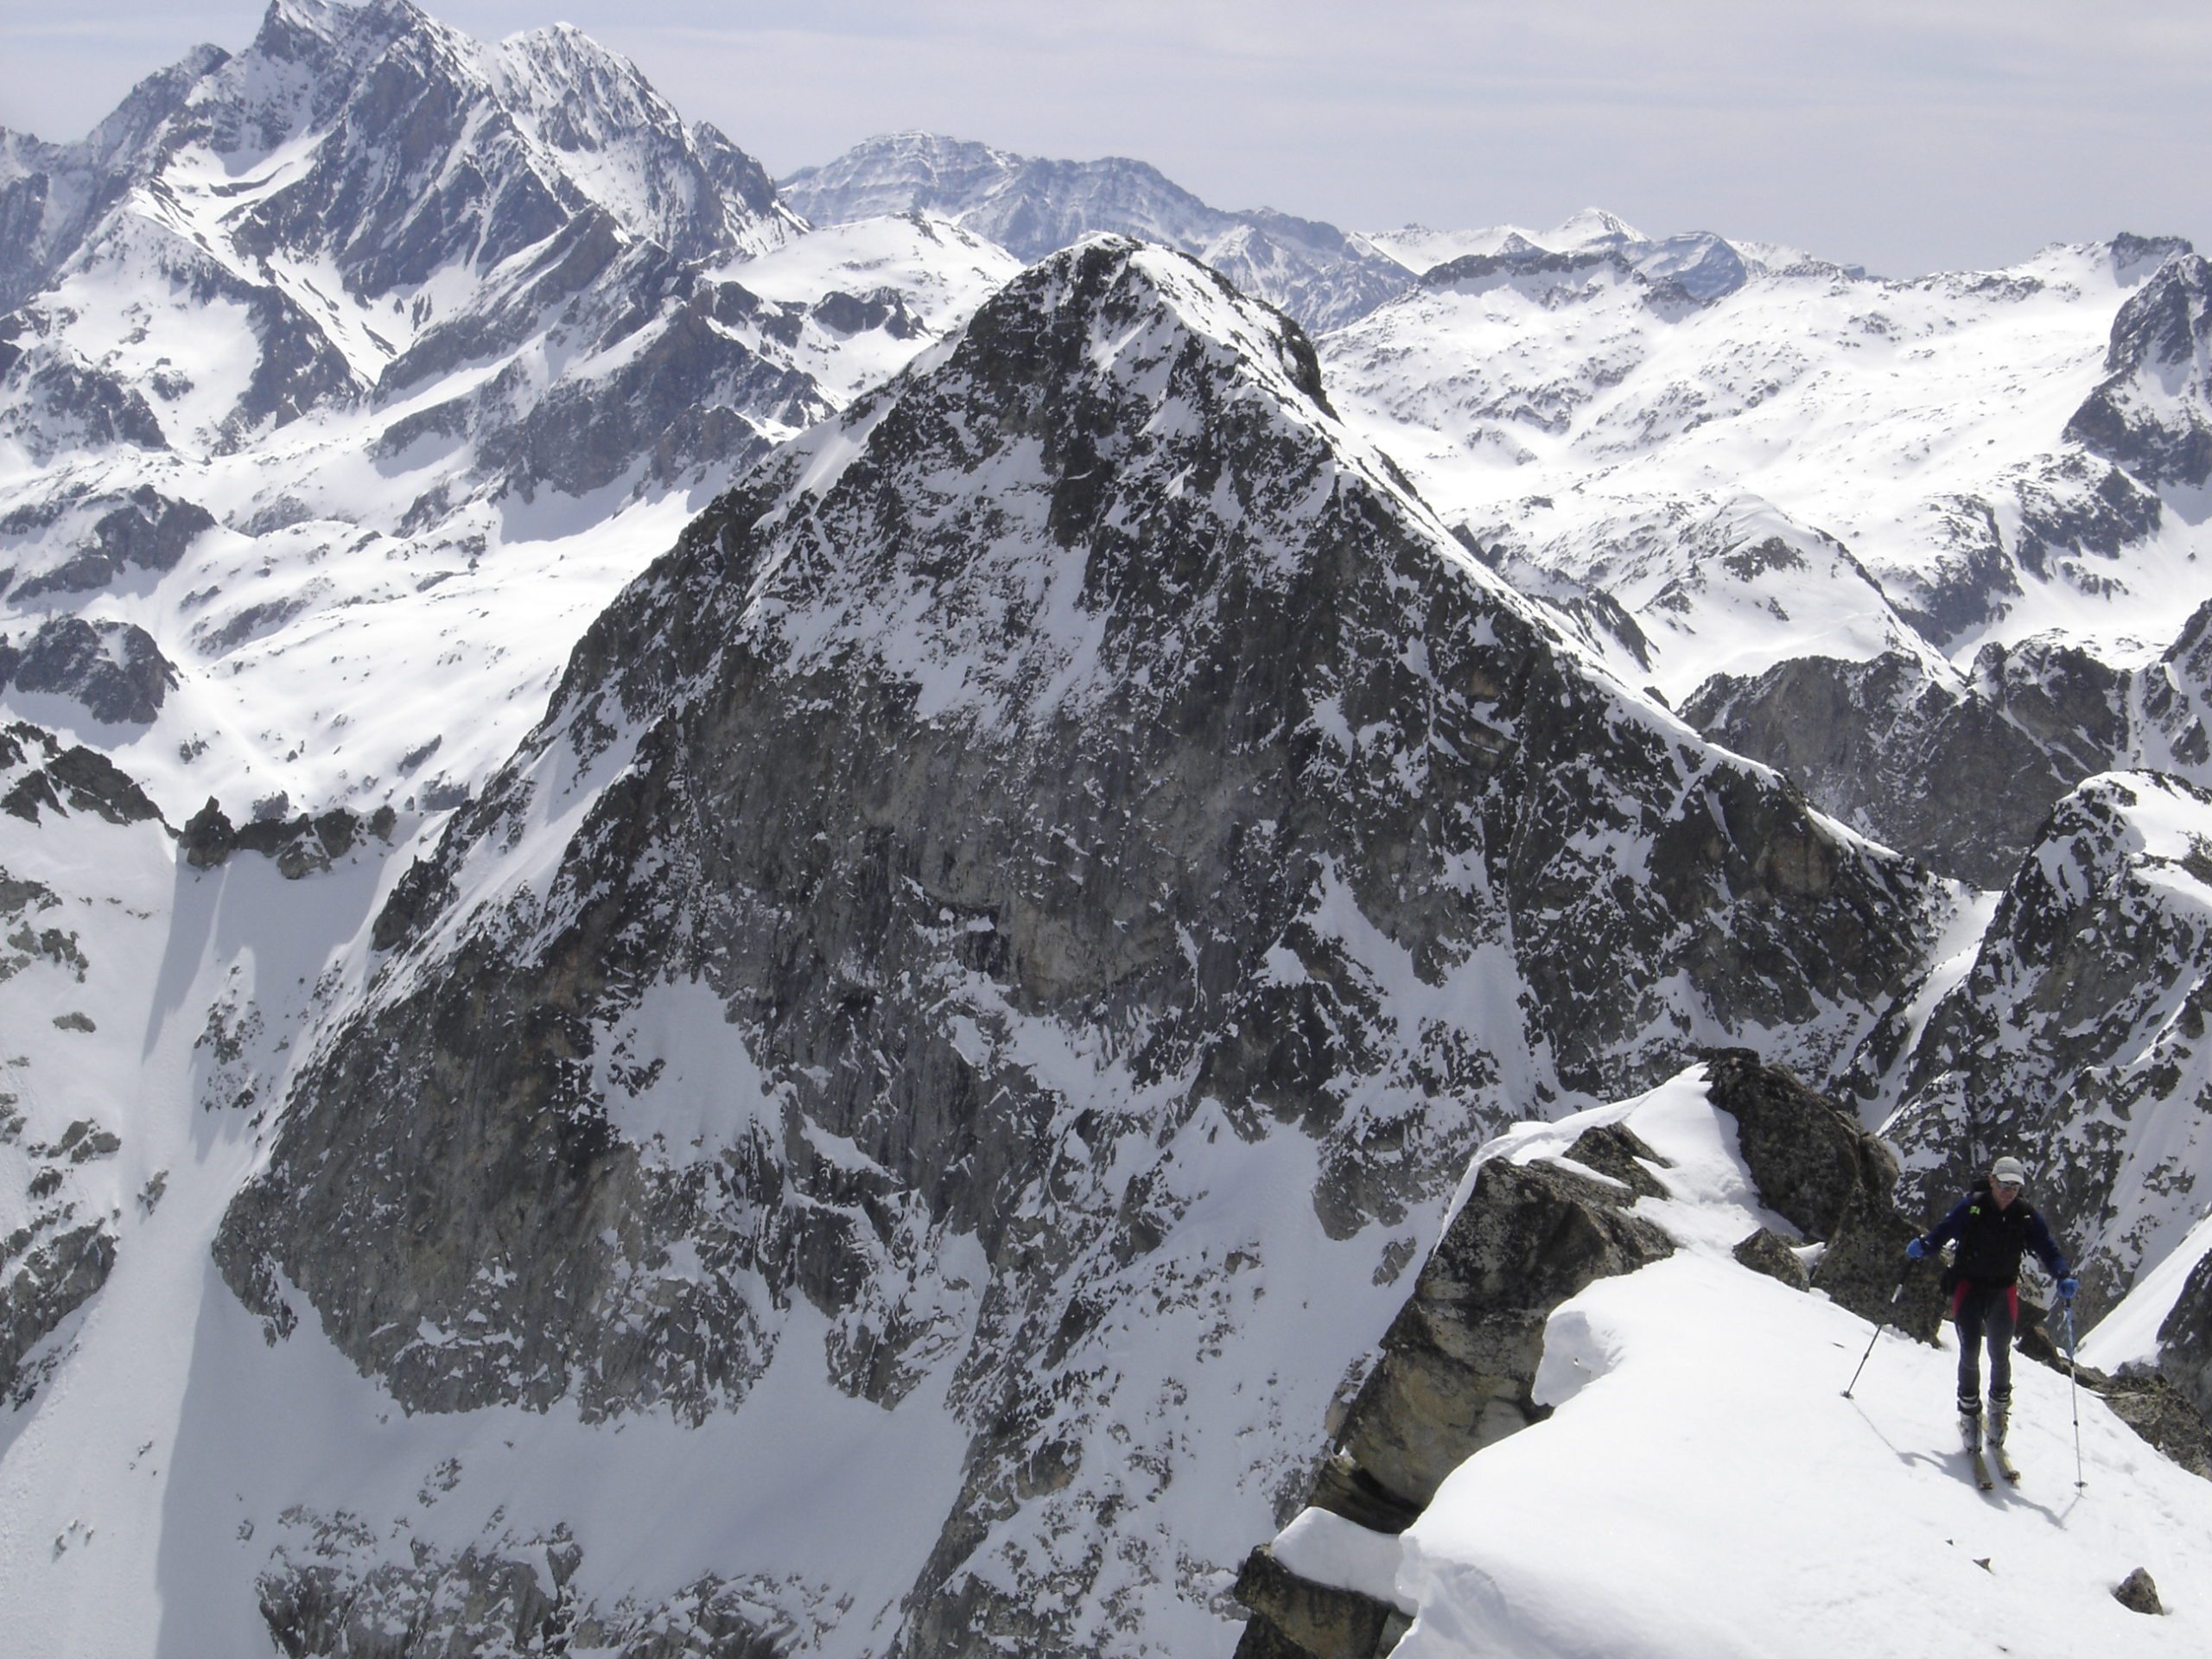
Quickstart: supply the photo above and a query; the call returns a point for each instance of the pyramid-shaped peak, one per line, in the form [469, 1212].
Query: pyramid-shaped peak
[1592, 229]
[1132, 305]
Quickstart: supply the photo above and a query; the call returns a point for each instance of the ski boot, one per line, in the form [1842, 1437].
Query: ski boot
[1970, 1424]
[1999, 1410]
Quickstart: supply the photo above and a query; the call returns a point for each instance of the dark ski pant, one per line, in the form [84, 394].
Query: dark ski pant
[1990, 1313]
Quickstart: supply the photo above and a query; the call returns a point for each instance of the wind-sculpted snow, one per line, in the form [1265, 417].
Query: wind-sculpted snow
[1056, 866]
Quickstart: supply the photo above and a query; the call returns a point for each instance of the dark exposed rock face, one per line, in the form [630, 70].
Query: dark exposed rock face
[1961, 776]
[42, 1288]
[301, 845]
[114, 669]
[1065, 688]
[76, 405]
[1459, 1361]
[2150, 413]
[589, 435]
[1296, 1618]
[1456, 1372]
[146, 530]
[71, 778]
[1815, 1166]
[328, 1592]
[1918, 764]
[2185, 1340]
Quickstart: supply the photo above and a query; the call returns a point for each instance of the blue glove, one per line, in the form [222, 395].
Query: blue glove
[2067, 1287]
[1918, 1249]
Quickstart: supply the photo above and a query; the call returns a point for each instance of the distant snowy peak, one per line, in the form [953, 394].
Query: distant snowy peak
[1419, 248]
[51, 195]
[392, 145]
[1034, 206]
[430, 145]
[1703, 264]
[691, 190]
[1593, 227]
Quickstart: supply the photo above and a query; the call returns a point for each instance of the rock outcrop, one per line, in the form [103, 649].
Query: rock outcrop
[2149, 414]
[113, 669]
[2185, 1340]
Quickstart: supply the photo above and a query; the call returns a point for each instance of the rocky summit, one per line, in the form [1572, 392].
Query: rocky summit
[1081, 770]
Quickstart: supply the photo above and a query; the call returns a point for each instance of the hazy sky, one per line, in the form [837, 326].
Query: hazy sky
[1909, 137]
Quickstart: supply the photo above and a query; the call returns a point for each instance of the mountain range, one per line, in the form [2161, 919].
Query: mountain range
[851, 915]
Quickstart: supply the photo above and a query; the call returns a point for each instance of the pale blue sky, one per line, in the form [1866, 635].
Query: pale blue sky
[1909, 137]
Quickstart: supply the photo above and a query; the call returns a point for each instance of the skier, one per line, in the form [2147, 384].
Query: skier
[1992, 1225]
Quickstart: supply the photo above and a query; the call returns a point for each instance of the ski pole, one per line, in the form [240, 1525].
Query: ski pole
[2074, 1382]
[1878, 1329]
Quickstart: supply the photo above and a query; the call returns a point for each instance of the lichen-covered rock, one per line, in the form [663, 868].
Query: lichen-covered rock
[1767, 1252]
[1814, 1165]
[2138, 1593]
[1294, 1618]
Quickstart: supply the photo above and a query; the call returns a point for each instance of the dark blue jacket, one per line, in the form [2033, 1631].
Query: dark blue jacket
[1991, 1240]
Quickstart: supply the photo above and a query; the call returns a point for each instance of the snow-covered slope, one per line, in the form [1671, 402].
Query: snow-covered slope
[1614, 430]
[1034, 206]
[1699, 1487]
[1047, 879]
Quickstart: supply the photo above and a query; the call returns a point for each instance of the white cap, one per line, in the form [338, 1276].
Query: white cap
[2006, 1172]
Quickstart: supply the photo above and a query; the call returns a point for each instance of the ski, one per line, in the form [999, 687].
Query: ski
[2005, 1466]
[1982, 1478]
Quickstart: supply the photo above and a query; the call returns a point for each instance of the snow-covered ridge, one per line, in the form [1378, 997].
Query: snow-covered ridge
[1689, 1399]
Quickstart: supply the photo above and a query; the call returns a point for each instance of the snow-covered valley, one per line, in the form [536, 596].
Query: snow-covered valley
[734, 922]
